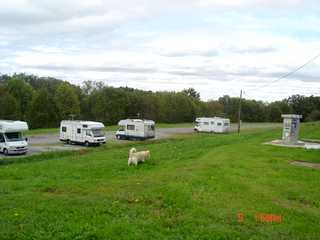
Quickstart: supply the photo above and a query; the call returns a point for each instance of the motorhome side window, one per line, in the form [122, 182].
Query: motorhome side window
[130, 127]
[2, 138]
[78, 130]
[64, 129]
[212, 123]
[219, 124]
[226, 124]
[205, 123]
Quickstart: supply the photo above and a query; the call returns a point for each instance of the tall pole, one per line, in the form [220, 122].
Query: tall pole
[239, 112]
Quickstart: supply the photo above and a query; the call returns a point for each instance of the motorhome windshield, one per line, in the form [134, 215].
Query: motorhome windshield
[97, 133]
[150, 127]
[14, 137]
[121, 128]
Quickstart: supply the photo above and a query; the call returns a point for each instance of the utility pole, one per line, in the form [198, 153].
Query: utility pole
[239, 112]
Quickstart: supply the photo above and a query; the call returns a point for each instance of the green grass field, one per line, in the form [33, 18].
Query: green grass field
[193, 187]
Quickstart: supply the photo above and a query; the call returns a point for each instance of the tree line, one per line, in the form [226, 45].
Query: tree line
[43, 102]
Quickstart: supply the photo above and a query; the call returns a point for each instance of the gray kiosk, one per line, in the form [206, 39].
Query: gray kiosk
[291, 125]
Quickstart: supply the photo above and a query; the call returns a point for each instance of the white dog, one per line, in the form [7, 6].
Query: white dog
[137, 157]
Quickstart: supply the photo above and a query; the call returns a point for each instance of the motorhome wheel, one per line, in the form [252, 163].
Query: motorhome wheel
[6, 152]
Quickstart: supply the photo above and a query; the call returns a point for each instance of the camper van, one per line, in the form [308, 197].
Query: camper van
[12, 140]
[82, 132]
[215, 124]
[135, 129]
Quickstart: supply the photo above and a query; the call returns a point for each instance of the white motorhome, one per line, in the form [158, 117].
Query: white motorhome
[215, 124]
[135, 129]
[12, 140]
[82, 132]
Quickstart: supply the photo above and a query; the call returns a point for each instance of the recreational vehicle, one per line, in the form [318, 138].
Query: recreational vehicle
[136, 129]
[12, 140]
[82, 132]
[215, 124]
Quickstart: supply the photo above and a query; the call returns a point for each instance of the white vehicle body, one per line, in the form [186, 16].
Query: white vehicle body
[136, 129]
[82, 132]
[12, 140]
[215, 124]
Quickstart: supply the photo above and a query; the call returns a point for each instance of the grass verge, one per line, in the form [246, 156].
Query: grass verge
[193, 187]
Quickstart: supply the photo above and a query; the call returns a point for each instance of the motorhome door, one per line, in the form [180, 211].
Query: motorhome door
[80, 134]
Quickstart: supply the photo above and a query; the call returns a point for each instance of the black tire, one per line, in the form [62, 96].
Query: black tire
[118, 137]
[5, 152]
[68, 141]
[87, 144]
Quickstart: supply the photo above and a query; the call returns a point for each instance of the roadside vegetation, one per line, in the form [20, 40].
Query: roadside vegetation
[193, 187]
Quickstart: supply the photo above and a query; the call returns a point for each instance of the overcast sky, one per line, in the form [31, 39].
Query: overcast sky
[216, 47]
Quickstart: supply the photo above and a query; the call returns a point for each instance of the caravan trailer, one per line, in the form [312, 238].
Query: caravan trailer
[136, 129]
[12, 140]
[215, 124]
[82, 132]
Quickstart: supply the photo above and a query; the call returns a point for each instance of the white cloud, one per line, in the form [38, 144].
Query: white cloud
[217, 47]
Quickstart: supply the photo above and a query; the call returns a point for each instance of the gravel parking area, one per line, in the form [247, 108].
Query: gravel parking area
[50, 142]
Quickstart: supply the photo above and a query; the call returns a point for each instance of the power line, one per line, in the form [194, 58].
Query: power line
[290, 73]
[276, 80]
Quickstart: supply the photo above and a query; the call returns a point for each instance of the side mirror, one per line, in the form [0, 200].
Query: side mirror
[26, 139]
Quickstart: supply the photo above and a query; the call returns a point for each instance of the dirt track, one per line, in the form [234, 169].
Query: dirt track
[50, 142]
